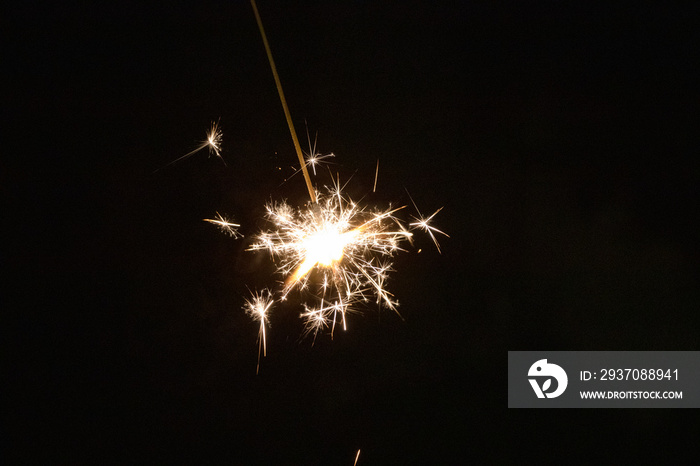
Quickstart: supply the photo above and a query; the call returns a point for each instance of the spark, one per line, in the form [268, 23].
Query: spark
[333, 250]
[258, 307]
[315, 319]
[376, 175]
[336, 251]
[224, 225]
[213, 142]
[313, 158]
[214, 137]
[424, 224]
[356, 458]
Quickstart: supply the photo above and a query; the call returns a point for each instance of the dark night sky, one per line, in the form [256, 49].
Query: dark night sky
[560, 138]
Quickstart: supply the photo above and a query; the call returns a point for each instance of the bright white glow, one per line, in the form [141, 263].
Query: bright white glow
[326, 246]
[335, 253]
[342, 245]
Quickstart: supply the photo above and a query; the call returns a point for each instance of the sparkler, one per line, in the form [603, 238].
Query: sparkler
[213, 142]
[334, 251]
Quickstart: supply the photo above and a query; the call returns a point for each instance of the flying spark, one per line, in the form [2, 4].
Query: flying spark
[376, 175]
[213, 142]
[313, 158]
[258, 307]
[224, 225]
[214, 137]
[424, 224]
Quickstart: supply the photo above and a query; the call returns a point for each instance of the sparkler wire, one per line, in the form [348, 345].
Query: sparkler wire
[297, 147]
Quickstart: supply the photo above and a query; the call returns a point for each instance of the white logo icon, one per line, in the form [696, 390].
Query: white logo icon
[543, 369]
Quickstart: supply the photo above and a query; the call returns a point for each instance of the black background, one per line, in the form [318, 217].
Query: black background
[560, 138]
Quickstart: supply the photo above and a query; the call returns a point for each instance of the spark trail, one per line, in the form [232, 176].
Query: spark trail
[213, 142]
[258, 308]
